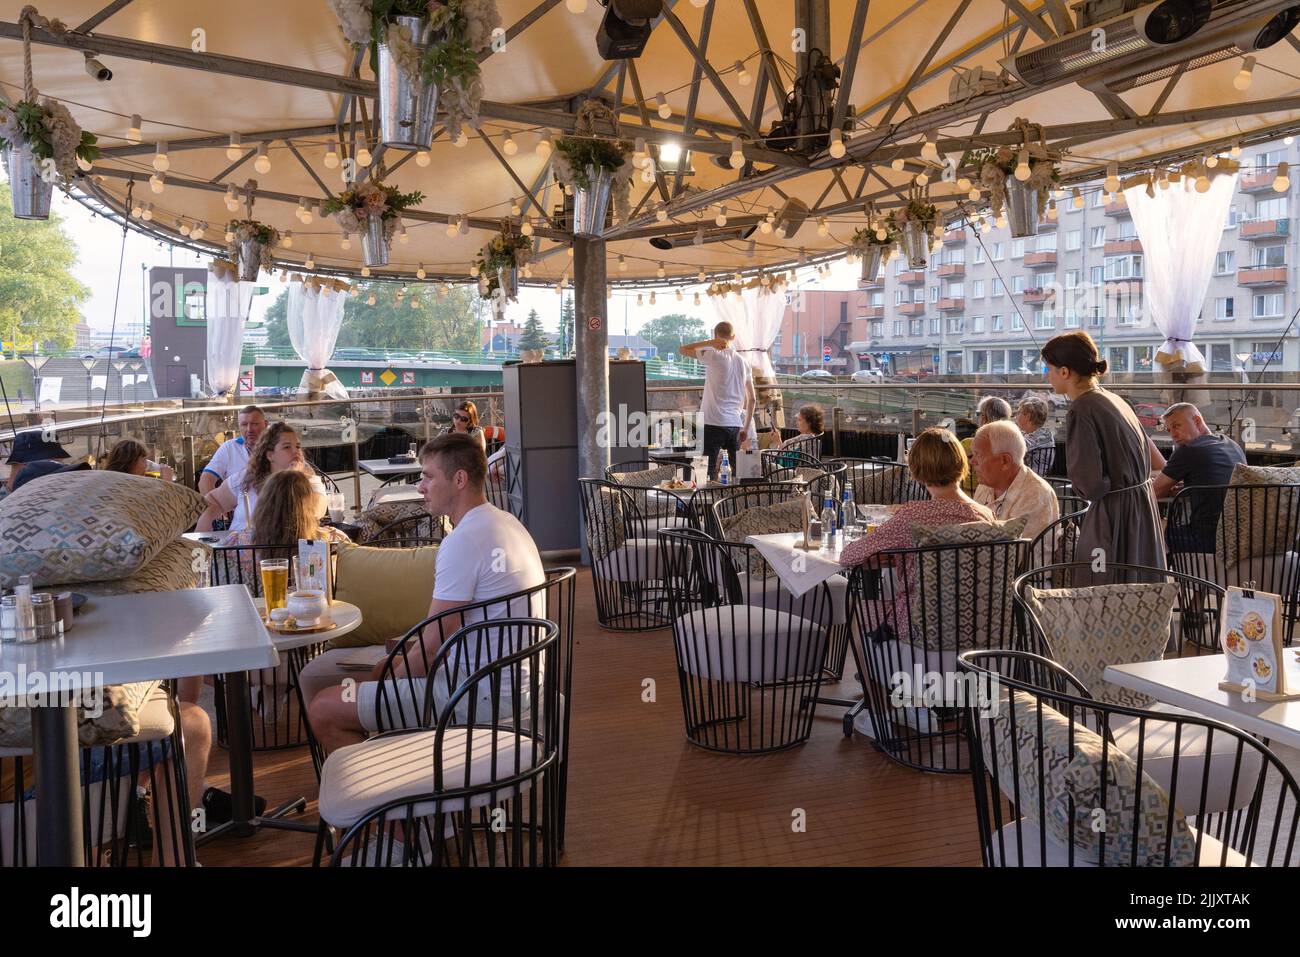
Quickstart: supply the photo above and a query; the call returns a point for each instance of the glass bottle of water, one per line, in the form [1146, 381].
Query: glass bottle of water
[848, 513]
[828, 522]
[724, 468]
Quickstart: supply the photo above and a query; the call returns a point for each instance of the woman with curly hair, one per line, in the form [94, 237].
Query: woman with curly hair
[278, 449]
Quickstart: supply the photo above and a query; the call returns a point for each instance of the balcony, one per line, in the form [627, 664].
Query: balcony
[952, 269]
[948, 304]
[1265, 228]
[912, 309]
[954, 237]
[1262, 276]
[913, 277]
[1117, 207]
[1120, 247]
[1256, 182]
[1045, 258]
[872, 312]
[1039, 294]
[871, 283]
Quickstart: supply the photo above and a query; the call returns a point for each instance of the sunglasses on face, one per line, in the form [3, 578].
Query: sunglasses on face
[460, 418]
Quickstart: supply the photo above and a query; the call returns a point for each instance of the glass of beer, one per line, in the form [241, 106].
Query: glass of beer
[275, 582]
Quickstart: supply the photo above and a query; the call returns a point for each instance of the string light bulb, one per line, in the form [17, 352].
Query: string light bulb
[147, 213]
[721, 218]
[897, 165]
[310, 263]
[1235, 152]
[184, 228]
[133, 131]
[508, 146]
[836, 148]
[365, 272]
[463, 228]
[765, 227]
[401, 233]
[198, 231]
[1163, 181]
[235, 149]
[543, 147]
[1245, 75]
[331, 158]
[922, 178]
[160, 161]
[639, 152]
[652, 297]
[622, 264]
[451, 228]
[157, 182]
[1212, 160]
[136, 210]
[370, 299]
[1076, 198]
[1001, 221]
[742, 75]
[1282, 181]
[422, 159]
[665, 111]
[661, 214]
[697, 299]
[1051, 210]
[823, 228]
[661, 272]
[700, 275]
[679, 295]
[286, 239]
[964, 184]
[364, 158]
[1022, 165]
[1202, 183]
[461, 141]
[737, 158]
[639, 300]
[974, 194]
[515, 208]
[526, 227]
[576, 6]
[881, 233]
[930, 151]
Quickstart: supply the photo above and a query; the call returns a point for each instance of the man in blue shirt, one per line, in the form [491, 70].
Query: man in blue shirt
[1199, 458]
[230, 457]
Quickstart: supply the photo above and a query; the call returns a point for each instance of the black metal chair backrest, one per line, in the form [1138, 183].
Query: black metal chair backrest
[331, 485]
[745, 497]
[1165, 803]
[809, 445]
[239, 564]
[1041, 459]
[821, 478]
[498, 488]
[1235, 534]
[1063, 486]
[882, 482]
[424, 529]
[618, 470]
[1056, 544]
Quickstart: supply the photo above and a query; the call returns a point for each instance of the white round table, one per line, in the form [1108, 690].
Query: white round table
[347, 618]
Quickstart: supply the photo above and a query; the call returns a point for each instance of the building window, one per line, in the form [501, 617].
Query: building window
[977, 289]
[956, 290]
[1270, 256]
[1220, 357]
[1234, 217]
[916, 327]
[1021, 361]
[1044, 319]
[936, 327]
[1071, 319]
[995, 286]
[979, 361]
[898, 328]
[956, 255]
[999, 362]
[1126, 230]
[1096, 275]
[1072, 277]
[1274, 208]
[976, 323]
[1074, 240]
[877, 298]
[1016, 322]
[1017, 248]
[1225, 262]
[977, 255]
[1123, 267]
[1268, 160]
[1017, 283]
[1119, 359]
[1270, 352]
[954, 363]
[1269, 306]
[997, 253]
[877, 329]
[1044, 278]
[918, 294]
[934, 293]
[898, 297]
[1046, 243]
[996, 323]
[1098, 236]
[1223, 310]
[955, 325]
[1096, 320]
[1099, 198]
[1143, 358]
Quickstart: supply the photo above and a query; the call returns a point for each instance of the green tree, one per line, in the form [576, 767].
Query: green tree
[421, 320]
[39, 298]
[566, 340]
[534, 336]
[277, 322]
[670, 331]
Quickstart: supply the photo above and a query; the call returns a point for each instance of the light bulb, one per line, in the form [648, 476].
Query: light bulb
[198, 231]
[509, 146]
[1236, 150]
[1051, 211]
[930, 151]
[451, 228]
[897, 166]
[235, 149]
[661, 214]
[365, 272]
[543, 147]
[737, 153]
[420, 273]
[985, 227]
[661, 272]
[184, 228]
[1112, 178]
[648, 172]
[461, 141]
[304, 213]
[1242, 80]
[1282, 182]
[697, 299]
[364, 158]
[515, 208]
[665, 111]
[679, 295]
[881, 233]
[836, 148]
[974, 194]
[1288, 140]
[345, 241]
[156, 182]
[576, 6]
[922, 179]
[229, 237]
[652, 298]
[700, 275]
[84, 164]
[639, 300]
[823, 228]
[136, 210]
[569, 252]
[1076, 198]
[1212, 160]
[464, 226]
[742, 75]
[473, 269]
[1163, 181]
[133, 131]
[1202, 183]
[370, 299]
[331, 159]
[286, 240]
[1001, 221]
[147, 214]
[310, 263]
[401, 234]
[964, 184]
[1022, 166]
[422, 159]
[721, 218]
[765, 227]
[526, 227]
[160, 161]
[622, 264]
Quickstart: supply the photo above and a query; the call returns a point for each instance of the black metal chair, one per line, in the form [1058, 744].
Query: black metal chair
[1041, 459]
[809, 445]
[498, 488]
[411, 532]
[1233, 535]
[640, 476]
[749, 657]
[400, 697]
[882, 482]
[914, 610]
[279, 715]
[331, 485]
[475, 786]
[625, 570]
[1056, 544]
[1039, 745]
[820, 478]
[119, 827]
[1063, 486]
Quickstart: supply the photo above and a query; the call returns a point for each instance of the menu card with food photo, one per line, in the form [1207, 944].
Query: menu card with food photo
[314, 567]
[1250, 632]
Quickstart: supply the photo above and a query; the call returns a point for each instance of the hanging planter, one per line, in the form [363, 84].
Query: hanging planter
[871, 260]
[30, 192]
[373, 210]
[1019, 181]
[914, 223]
[250, 247]
[597, 169]
[499, 264]
[508, 282]
[871, 244]
[1021, 208]
[425, 54]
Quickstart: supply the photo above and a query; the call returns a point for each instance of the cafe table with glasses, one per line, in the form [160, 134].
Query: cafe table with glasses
[383, 468]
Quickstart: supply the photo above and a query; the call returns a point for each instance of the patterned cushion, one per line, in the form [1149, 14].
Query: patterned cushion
[646, 478]
[1070, 756]
[176, 567]
[763, 520]
[607, 529]
[880, 486]
[1090, 628]
[380, 516]
[957, 601]
[1250, 522]
[90, 526]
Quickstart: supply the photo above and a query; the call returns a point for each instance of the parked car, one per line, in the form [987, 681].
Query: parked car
[868, 375]
[1148, 414]
[818, 374]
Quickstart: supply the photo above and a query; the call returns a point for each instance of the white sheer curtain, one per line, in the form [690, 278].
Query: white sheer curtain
[1180, 231]
[227, 303]
[756, 317]
[315, 315]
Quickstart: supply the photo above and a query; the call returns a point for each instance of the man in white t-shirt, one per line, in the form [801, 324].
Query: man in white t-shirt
[488, 554]
[727, 408]
[232, 456]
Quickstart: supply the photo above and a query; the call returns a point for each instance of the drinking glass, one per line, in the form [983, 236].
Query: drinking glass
[275, 582]
[336, 507]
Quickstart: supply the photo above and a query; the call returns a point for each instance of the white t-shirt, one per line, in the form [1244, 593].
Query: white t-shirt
[229, 458]
[725, 375]
[245, 501]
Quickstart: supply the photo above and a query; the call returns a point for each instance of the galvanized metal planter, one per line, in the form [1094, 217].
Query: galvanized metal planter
[872, 257]
[249, 254]
[1021, 208]
[590, 206]
[31, 194]
[915, 240]
[408, 107]
[374, 245]
[508, 282]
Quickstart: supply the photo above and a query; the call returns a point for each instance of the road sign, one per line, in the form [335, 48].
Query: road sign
[826, 354]
[408, 377]
[367, 378]
[246, 382]
[388, 377]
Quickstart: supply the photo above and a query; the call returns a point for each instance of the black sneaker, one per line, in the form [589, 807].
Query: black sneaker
[219, 806]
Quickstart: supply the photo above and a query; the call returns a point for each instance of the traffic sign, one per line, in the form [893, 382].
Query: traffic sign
[826, 354]
[246, 382]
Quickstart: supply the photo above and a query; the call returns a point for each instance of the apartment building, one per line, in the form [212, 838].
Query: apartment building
[985, 303]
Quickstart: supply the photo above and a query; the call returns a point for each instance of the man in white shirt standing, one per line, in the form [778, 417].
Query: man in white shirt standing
[727, 408]
[232, 457]
[488, 554]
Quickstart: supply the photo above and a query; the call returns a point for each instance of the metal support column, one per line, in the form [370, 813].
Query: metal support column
[814, 18]
[591, 333]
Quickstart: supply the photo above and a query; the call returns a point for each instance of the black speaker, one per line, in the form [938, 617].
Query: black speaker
[626, 27]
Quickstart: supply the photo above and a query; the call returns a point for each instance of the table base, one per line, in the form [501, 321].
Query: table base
[56, 750]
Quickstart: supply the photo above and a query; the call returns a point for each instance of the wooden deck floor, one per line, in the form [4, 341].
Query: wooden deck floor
[640, 795]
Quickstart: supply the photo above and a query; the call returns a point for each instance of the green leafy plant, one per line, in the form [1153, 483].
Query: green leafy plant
[49, 130]
[863, 238]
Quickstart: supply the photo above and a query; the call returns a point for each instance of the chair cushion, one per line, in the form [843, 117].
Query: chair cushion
[969, 533]
[1091, 628]
[607, 528]
[90, 526]
[774, 587]
[646, 478]
[391, 586]
[1249, 522]
[636, 559]
[117, 716]
[742, 643]
[764, 520]
[1156, 740]
[382, 514]
[1006, 843]
[174, 568]
[361, 777]
[1071, 756]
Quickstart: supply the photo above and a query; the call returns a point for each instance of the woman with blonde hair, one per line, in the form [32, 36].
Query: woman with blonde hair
[288, 509]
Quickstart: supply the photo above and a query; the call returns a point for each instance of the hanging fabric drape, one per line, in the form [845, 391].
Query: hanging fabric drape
[756, 315]
[1180, 230]
[315, 316]
[227, 304]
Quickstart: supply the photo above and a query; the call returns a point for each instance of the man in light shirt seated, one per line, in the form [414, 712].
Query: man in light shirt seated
[488, 554]
[232, 456]
[1007, 486]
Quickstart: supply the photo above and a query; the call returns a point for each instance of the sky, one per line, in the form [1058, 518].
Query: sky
[99, 245]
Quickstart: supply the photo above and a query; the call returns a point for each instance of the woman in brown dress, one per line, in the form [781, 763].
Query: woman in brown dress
[1108, 458]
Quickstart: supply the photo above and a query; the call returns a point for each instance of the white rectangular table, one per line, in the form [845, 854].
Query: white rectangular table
[798, 570]
[119, 640]
[382, 468]
[1193, 684]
